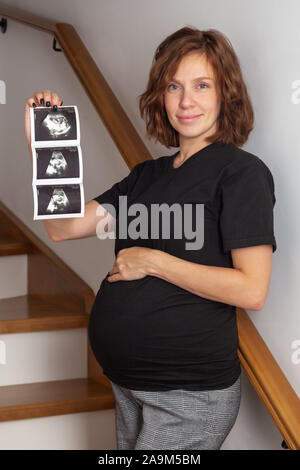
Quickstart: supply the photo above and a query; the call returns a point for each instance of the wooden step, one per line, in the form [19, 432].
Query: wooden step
[9, 247]
[39, 399]
[27, 313]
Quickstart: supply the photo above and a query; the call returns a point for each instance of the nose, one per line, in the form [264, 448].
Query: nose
[186, 99]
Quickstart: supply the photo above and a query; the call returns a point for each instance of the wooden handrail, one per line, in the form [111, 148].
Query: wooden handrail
[129, 143]
[269, 380]
[23, 16]
[260, 366]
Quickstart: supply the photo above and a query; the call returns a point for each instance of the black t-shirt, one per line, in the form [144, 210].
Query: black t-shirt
[149, 334]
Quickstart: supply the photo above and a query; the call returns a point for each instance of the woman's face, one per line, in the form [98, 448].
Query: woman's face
[188, 95]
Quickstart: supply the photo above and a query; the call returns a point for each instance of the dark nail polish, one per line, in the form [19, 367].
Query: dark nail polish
[34, 105]
[61, 103]
[48, 103]
[42, 100]
[55, 107]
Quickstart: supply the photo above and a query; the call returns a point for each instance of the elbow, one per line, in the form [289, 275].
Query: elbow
[259, 303]
[55, 239]
[51, 233]
[253, 299]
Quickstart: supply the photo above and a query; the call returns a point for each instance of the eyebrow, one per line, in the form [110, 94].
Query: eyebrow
[195, 79]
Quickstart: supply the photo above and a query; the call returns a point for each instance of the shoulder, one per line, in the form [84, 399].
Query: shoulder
[238, 160]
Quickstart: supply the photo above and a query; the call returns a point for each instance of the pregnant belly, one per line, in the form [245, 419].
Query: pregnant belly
[150, 323]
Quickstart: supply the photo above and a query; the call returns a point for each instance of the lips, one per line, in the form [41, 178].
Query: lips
[188, 118]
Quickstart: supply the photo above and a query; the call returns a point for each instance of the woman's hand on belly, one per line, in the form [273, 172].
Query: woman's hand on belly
[132, 263]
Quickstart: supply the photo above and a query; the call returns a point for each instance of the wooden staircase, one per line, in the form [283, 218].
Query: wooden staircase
[56, 299]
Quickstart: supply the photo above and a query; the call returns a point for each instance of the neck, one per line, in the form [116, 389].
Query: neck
[186, 153]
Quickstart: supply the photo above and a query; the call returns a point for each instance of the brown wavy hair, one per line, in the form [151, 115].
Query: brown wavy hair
[236, 115]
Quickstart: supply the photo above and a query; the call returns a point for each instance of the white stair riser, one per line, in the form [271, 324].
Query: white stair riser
[94, 430]
[13, 276]
[43, 356]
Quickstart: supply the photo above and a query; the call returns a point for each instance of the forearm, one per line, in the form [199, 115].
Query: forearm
[228, 285]
[58, 229]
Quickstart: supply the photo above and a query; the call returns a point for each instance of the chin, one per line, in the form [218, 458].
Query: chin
[192, 132]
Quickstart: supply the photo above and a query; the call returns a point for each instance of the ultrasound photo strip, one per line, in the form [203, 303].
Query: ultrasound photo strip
[57, 180]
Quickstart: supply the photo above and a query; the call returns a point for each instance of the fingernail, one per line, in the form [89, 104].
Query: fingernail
[34, 105]
[48, 103]
[61, 103]
[42, 100]
[55, 107]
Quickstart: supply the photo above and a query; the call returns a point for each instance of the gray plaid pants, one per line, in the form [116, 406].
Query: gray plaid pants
[175, 419]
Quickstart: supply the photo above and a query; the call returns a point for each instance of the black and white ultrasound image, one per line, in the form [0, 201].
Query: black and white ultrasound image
[58, 199]
[50, 125]
[57, 162]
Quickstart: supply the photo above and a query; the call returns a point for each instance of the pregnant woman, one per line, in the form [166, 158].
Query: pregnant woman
[163, 324]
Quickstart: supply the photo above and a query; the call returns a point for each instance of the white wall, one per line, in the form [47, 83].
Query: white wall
[122, 35]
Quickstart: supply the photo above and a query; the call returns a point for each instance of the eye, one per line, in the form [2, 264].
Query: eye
[204, 84]
[172, 84]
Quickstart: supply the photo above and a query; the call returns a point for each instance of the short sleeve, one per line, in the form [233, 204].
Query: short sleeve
[122, 188]
[247, 203]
